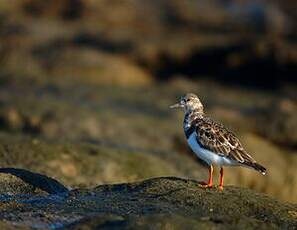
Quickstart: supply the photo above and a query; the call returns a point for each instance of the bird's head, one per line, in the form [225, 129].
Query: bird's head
[189, 102]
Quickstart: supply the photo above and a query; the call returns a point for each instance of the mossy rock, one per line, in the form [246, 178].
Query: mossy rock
[84, 165]
[159, 202]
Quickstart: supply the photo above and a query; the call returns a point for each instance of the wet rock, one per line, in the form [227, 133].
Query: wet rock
[161, 201]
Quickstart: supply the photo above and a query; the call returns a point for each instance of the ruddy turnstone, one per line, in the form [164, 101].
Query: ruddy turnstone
[211, 141]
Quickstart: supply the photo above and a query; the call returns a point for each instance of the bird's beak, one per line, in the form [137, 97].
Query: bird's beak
[177, 105]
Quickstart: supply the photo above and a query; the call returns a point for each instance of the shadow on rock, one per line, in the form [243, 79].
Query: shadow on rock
[36, 180]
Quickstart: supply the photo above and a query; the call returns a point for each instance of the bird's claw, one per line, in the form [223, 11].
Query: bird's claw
[205, 185]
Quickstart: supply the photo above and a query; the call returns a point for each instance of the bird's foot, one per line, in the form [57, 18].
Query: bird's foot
[203, 184]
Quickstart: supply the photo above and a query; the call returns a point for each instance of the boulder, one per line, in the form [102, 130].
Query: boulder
[158, 202]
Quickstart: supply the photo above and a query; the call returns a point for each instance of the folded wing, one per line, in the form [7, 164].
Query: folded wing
[216, 138]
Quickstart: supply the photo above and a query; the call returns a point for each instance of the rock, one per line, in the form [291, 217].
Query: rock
[281, 122]
[7, 226]
[166, 201]
[168, 38]
[11, 119]
[87, 164]
[134, 129]
[28, 181]
[94, 67]
[167, 221]
[12, 185]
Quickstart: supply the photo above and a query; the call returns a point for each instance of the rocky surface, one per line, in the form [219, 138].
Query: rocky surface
[20, 181]
[84, 93]
[89, 164]
[75, 132]
[162, 202]
[235, 41]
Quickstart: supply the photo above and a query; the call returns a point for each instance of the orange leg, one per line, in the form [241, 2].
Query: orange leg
[221, 179]
[209, 183]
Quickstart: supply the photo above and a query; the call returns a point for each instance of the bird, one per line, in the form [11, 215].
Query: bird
[211, 141]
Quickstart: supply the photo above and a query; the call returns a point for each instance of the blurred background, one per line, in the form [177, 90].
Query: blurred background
[85, 87]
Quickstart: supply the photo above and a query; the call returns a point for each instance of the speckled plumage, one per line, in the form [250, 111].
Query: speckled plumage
[213, 143]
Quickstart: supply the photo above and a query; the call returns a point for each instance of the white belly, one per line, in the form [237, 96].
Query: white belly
[206, 155]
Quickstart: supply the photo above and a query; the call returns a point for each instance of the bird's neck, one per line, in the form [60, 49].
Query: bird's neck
[191, 116]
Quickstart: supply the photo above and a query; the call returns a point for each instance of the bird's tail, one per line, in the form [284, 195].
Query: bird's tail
[255, 166]
[259, 168]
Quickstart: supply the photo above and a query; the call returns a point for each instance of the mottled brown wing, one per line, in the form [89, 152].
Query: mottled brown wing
[216, 138]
